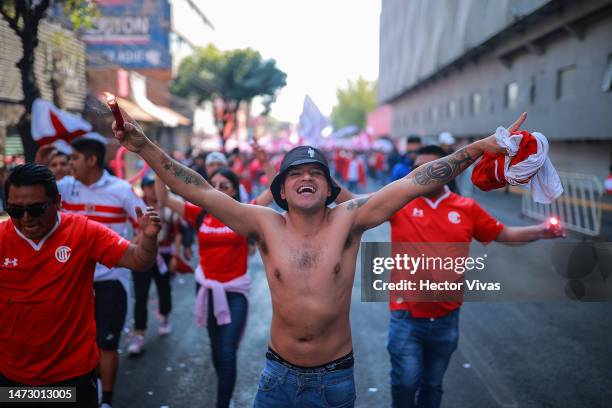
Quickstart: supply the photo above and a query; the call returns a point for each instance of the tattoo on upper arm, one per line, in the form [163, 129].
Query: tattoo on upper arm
[443, 170]
[356, 203]
[186, 175]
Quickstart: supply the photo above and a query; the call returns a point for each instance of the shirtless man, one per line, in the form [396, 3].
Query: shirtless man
[309, 254]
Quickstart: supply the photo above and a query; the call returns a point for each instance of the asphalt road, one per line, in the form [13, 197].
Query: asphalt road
[511, 354]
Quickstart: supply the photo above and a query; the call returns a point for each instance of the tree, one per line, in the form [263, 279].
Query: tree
[228, 78]
[24, 16]
[354, 103]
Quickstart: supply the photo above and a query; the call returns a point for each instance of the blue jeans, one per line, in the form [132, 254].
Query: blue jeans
[282, 387]
[420, 350]
[224, 341]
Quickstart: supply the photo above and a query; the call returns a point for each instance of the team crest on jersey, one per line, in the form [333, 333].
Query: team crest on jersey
[62, 254]
[417, 212]
[454, 217]
[10, 262]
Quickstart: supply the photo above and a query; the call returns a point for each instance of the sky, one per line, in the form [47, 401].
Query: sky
[319, 44]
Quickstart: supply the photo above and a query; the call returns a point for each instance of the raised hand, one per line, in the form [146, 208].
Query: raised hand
[490, 144]
[132, 137]
[149, 222]
[44, 153]
[259, 152]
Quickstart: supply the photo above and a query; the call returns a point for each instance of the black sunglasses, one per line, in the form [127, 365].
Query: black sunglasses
[33, 210]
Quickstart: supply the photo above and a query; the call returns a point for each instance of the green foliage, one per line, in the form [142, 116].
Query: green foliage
[354, 103]
[81, 13]
[234, 76]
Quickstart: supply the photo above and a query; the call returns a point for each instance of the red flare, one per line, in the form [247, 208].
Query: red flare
[111, 100]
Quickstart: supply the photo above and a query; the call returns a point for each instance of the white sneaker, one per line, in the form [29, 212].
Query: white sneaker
[164, 328]
[136, 346]
[105, 405]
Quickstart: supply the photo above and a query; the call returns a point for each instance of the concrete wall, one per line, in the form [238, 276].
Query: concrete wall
[528, 61]
[418, 37]
[586, 116]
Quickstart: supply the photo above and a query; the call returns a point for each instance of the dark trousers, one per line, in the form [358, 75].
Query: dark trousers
[142, 283]
[224, 341]
[86, 392]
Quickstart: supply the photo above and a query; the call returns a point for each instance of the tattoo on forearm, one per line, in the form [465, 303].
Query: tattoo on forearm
[443, 170]
[186, 175]
[356, 203]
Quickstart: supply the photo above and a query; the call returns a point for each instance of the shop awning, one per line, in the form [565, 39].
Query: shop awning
[167, 116]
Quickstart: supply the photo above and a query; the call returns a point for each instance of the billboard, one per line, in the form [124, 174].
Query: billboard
[132, 33]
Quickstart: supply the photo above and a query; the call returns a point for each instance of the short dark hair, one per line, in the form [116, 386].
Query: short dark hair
[60, 153]
[91, 147]
[432, 149]
[232, 177]
[31, 174]
[413, 139]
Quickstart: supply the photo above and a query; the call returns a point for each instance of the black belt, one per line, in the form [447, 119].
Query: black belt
[341, 363]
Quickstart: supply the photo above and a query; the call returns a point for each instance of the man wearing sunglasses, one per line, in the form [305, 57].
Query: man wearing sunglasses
[47, 262]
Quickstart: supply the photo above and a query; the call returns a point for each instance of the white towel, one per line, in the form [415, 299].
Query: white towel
[537, 172]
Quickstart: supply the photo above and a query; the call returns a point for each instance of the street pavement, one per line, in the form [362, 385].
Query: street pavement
[511, 354]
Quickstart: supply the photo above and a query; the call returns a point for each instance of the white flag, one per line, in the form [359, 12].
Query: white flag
[312, 122]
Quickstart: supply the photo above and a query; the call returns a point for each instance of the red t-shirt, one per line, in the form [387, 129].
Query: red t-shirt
[48, 331]
[223, 253]
[450, 218]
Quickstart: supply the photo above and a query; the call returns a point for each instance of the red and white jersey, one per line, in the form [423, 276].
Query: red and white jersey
[109, 201]
[47, 325]
[450, 218]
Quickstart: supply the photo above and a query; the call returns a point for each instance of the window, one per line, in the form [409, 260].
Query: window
[475, 101]
[566, 83]
[491, 101]
[452, 109]
[532, 90]
[511, 95]
[606, 86]
[434, 113]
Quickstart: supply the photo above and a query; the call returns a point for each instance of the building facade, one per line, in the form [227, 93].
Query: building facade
[468, 66]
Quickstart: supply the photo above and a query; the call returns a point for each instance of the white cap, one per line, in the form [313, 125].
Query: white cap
[213, 157]
[446, 138]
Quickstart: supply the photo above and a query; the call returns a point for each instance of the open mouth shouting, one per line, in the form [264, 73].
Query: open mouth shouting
[306, 190]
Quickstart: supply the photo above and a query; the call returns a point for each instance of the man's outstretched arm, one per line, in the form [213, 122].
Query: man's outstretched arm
[187, 183]
[381, 205]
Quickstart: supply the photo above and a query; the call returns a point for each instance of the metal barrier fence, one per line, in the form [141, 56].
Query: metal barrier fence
[579, 207]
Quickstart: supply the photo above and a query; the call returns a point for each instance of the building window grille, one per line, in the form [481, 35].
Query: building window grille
[532, 90]
[606, 86]
[566, 83]
[452, 109]
[511, 95]
[475, 101]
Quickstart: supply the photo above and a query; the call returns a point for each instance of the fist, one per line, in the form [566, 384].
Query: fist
[149, 222]
[132, 136]
[259, 152]
[552, 228]
[490, 145]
